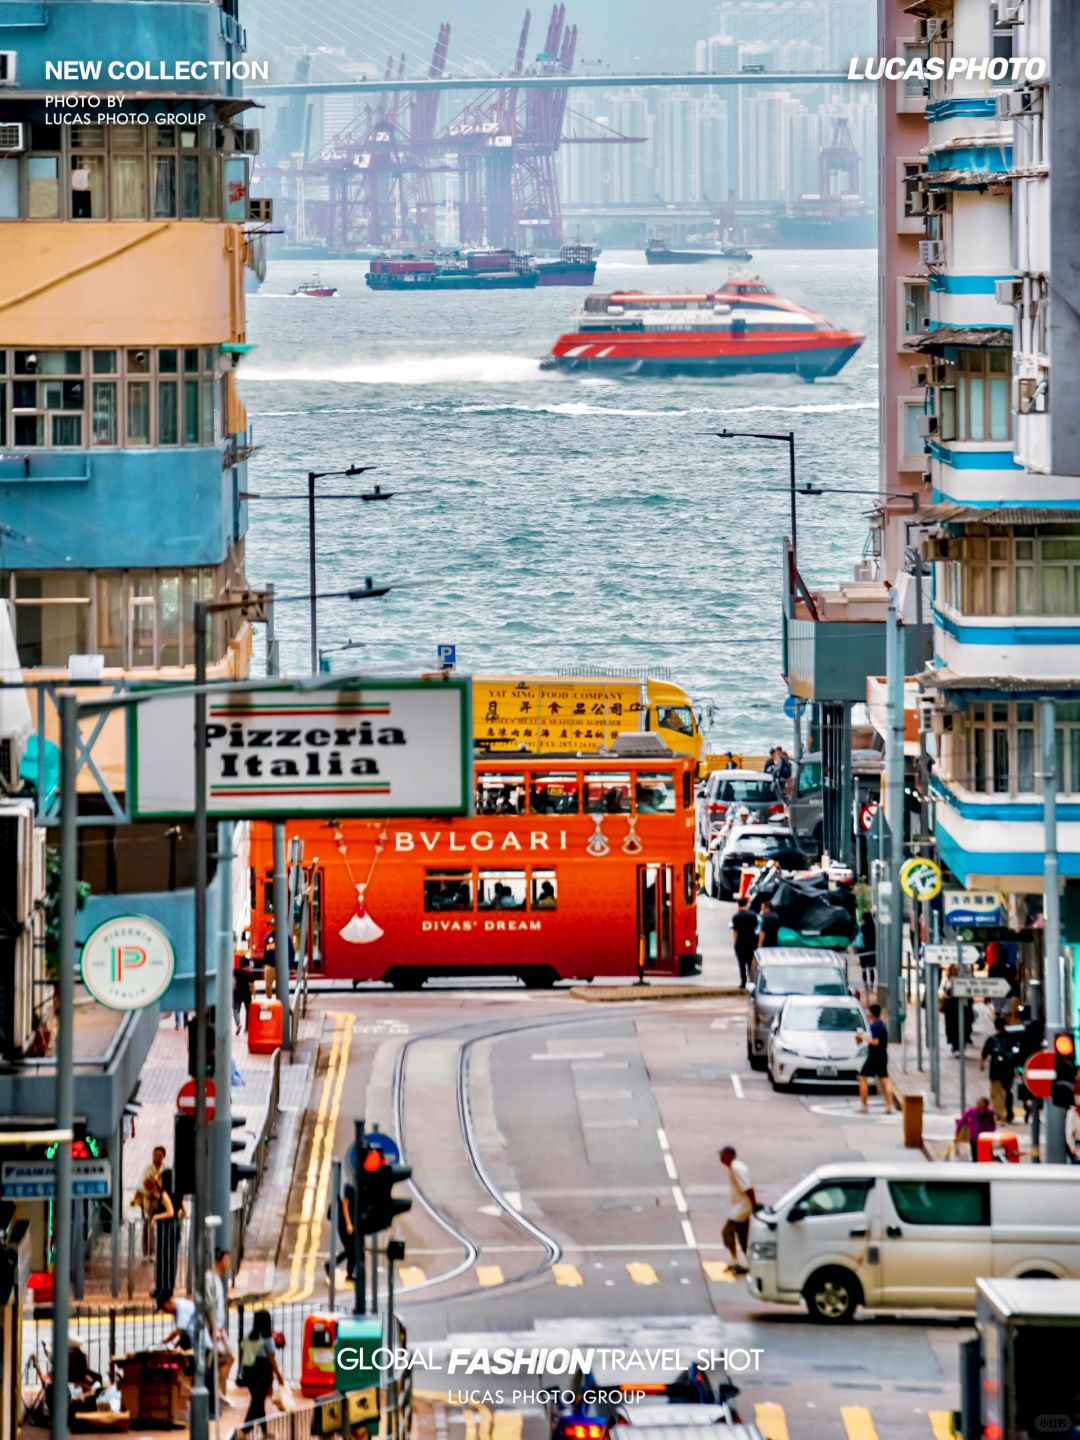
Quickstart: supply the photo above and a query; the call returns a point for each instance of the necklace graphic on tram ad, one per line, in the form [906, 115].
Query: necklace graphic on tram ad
[598, 843]
[632, 844]
[361, 928]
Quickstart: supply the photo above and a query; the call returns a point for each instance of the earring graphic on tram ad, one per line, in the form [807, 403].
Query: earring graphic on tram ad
[361, 929]
[598, 843]
[632, 843]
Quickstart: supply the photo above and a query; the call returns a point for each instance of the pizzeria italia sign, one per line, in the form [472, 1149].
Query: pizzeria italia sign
[383, 748]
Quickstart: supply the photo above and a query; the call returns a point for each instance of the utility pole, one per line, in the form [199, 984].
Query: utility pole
[894, 812]
[360, 1291]
[282, 909]
[200, 1398]
[221, 1125]
[1052, 989]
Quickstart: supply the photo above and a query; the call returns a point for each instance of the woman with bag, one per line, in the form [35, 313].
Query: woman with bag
[259, 1367]
[957, 1012]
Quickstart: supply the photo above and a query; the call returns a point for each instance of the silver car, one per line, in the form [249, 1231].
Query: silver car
[781, 971]
[818, 1040]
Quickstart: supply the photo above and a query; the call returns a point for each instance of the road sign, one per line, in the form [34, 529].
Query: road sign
[90, 1180]
[969, 987]
[793, 706]
[968, 908]
[920, 878]
[867, 814]
[128, 962]
[372, 748]
[447, 656]
[951, 955]
[376, 1140]
[185, 1099]
[1039, 1073]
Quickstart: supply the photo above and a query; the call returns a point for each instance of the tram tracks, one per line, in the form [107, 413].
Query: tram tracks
[549, 1248]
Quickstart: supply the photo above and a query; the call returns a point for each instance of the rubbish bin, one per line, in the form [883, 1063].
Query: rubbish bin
[264, 1027]
[913, 1116]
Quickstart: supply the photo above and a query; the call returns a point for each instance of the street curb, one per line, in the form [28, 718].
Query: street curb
[613, 994]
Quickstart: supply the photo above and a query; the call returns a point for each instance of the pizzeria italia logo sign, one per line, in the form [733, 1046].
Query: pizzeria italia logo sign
[128, 962]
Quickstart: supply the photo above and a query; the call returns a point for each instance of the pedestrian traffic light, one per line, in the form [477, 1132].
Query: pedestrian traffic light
[1064, 1090]
[239, 1171]
[211, 1043]
[184, 1154]
[376, 1203]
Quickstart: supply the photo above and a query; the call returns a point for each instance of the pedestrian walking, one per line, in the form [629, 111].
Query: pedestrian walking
[744, 928]
[876, 1065]
[148, 1195]
[977, 1119]
[998, 1057]
[736, 1231]
[346, 1234]
[166, 1240]
[769, 926]
[259, 1367]
[241, 994]
[218, 1316]
[959, 1014]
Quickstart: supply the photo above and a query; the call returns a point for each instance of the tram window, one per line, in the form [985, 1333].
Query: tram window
[654, 794]
[607, 794]
[554, 793]
[502, 890]
[544, 890]
[689, 884]
[679, 718]
[448, 890]
[500, 794]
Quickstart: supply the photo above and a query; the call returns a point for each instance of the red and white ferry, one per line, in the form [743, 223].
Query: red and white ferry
[744, 328]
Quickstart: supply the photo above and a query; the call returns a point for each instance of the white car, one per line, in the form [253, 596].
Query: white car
[817, 1039]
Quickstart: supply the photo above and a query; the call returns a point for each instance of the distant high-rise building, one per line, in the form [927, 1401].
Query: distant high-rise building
[677, 147]
[631, 165]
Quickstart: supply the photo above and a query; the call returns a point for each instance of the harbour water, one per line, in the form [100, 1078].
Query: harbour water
[542, 521]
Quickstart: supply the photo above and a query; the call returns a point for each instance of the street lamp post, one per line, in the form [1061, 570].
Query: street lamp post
[787, 437]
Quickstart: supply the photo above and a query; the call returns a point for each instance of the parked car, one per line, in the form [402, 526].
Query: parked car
[725, 788]
[814, 1040]
[749, 845]
[779, 972]
[895, 1235]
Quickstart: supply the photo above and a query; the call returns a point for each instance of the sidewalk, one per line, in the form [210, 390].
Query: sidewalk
[165, 1071]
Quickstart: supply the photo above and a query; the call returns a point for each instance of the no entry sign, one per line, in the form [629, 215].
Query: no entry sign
[185, 1099]
[1039, 1073]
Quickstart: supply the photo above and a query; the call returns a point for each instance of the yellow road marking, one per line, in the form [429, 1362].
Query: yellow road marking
[772, 1422]
[567, 1275]
[508, 1425]
[941, 1424]
[858, 1422]
[720, 1271]
[489, 1275]
[411, 1275]
[641, 1274]
[317, 1183]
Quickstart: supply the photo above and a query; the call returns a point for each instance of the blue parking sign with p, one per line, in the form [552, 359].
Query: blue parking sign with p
[447, 656]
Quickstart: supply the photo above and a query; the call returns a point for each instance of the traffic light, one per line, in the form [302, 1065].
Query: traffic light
[211, 1043]
[1064, 1091]
[184, 1154]
[237, 1171]
[376, 1203]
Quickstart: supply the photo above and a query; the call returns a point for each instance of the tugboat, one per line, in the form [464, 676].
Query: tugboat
[315, 288]
[454, 270]
[576, 265]
[657, 252]
[742, 328]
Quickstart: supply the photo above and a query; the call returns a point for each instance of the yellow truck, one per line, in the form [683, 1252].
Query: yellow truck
[554, 713]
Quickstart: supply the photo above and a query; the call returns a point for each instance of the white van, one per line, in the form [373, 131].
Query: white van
[905, 1236]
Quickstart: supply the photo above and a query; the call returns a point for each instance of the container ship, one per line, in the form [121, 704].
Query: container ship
[744, 328]
[454, 270]
[659, 253]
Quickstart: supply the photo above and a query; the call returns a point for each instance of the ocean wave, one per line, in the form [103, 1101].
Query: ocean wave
[801, 409]
[480, 369]
[573, 408]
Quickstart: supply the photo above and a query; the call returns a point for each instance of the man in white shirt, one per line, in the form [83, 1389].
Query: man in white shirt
[736, 1230]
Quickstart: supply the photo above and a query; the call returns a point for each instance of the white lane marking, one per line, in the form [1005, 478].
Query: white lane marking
[680, 1199]
[669, 1166]
[661, 1135]
[568, 1055]
[688, 1234]
[736, 1085]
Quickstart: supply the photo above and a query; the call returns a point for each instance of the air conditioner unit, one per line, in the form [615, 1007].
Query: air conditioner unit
[1008, 11]
[938, 201]
[920, 375]
[926, 426]
[1025, 393]
[1009, 292]
[1028, 101]
[7, 67]
[937, 30]
[247, 141]
[11, 137]
[12, 749]
[1003, 105]
[16, 863]
[260, 210]
[932, 252]
[916, 199]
